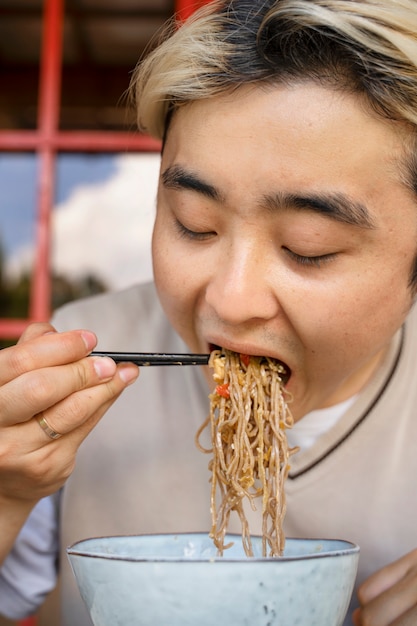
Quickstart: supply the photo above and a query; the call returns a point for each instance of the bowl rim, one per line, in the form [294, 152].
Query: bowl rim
[75, 549]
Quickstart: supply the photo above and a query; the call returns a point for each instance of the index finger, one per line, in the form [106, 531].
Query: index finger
[36, 329]
[44, 350]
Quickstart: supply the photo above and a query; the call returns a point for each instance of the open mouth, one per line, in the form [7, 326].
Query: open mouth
[286, 371]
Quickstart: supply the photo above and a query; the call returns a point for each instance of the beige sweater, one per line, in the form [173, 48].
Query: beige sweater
[140, 470]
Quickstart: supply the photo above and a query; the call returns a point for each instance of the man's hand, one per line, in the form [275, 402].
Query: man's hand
[389, 597]
[48, 384]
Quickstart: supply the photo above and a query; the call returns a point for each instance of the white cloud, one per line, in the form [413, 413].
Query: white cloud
[105, 228]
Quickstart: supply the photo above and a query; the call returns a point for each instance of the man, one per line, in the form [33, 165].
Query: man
[286, 226]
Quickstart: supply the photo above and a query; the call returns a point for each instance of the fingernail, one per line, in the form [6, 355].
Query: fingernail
[89, 339]
[104, 366]
[128, 373]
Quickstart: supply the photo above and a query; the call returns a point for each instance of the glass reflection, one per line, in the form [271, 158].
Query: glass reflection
[102, 222]
[17, 232]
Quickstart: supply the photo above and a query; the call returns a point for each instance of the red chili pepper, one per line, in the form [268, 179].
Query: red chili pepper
[245, 358]
[223, 390]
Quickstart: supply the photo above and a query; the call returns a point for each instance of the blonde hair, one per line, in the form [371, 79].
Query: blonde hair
[364, 46]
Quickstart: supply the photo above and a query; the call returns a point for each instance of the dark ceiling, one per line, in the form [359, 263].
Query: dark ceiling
[103, 40]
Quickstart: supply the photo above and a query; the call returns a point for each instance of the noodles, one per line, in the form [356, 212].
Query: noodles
[248, 418]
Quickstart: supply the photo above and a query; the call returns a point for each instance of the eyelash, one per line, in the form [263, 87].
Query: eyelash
[306, 261]
[192, 234]
[309, 261]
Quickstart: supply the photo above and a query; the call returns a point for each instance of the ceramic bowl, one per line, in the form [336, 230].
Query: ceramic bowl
[177, 580]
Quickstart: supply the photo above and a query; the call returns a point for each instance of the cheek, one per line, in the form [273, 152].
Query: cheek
[174, 273]
[352, 323]
[175, 282]
[165, 270]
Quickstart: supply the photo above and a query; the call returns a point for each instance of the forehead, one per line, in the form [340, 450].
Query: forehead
[290, 139]
[302, 107]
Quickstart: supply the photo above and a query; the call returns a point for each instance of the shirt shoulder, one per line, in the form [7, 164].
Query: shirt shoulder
[128, 320]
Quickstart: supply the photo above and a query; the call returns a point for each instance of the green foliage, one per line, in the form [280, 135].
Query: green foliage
[15, 294]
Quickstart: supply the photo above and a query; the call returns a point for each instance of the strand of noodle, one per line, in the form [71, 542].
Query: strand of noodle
[250, 452]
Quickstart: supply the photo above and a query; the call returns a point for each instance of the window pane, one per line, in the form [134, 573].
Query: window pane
[103, 41]
[20, 37]
[17, 232]
[102, 222]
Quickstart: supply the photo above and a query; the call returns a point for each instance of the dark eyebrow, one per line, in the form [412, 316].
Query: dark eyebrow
[336, 206]
[176, 177]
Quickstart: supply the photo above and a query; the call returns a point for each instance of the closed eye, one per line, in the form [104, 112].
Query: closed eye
[193, 234]
[313, 261]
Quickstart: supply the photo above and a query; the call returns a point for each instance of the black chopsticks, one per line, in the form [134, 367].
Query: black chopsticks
[149, 358]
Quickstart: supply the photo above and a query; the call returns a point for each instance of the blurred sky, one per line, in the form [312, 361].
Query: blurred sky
[102, 221]
[17, 199]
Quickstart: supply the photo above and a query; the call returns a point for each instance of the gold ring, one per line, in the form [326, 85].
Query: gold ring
[47, 429]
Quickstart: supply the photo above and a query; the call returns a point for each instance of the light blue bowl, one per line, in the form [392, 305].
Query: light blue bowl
[177, 580]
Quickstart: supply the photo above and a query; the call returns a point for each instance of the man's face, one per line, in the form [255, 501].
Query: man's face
[284, 228]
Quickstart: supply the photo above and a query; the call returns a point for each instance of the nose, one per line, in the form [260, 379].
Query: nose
[242, 288]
